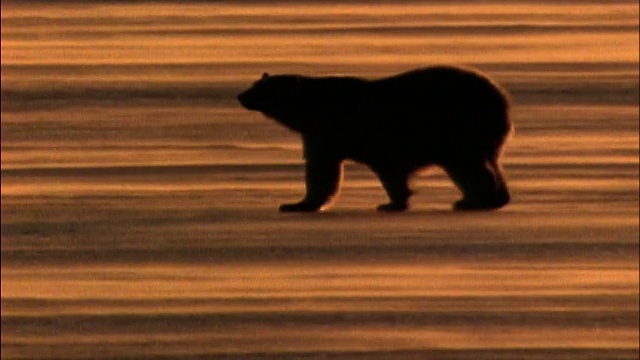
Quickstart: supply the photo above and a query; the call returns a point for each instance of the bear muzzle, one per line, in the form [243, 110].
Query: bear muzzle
[245, 100]
[242, 98]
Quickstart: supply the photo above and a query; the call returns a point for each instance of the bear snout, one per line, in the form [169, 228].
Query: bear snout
[242, 98]
[249, 100]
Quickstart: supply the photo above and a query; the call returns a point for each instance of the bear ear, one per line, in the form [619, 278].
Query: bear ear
[265, 75]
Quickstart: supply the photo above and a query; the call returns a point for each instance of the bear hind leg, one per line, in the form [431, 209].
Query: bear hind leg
[481, 183]
[396, 184]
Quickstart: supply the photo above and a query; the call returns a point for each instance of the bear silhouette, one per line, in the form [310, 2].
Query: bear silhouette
[444, 116]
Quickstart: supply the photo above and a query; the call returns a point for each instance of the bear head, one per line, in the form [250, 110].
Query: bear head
[278, 97]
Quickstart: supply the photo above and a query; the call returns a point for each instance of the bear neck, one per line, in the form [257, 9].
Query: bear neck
[289, 121]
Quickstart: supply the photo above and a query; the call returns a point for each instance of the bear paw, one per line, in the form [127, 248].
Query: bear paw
[299, 207]
[470, 205]
[393, 207]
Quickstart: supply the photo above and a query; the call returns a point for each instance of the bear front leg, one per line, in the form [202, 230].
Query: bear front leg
[481, 183]
[396, 184]
[322, 180]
